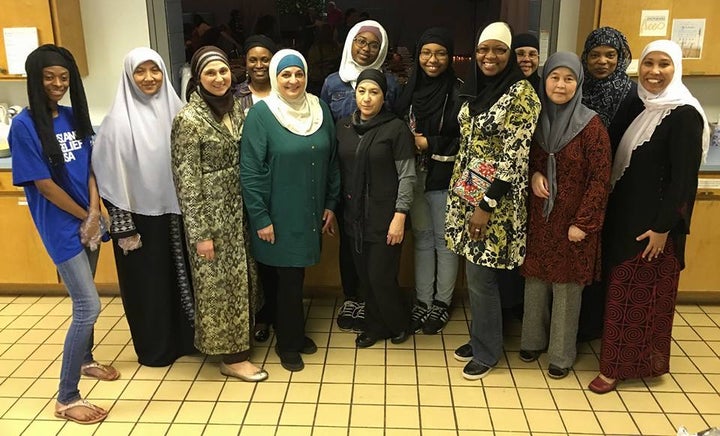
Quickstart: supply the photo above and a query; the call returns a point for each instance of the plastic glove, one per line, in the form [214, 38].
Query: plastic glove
[90, 230]
[130, 243]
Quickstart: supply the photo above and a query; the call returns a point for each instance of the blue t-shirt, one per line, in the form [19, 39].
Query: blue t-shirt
[59, 230]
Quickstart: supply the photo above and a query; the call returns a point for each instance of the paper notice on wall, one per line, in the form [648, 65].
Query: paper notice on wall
[19, 42]
[544, 41]
[654, 22]
[689, 34]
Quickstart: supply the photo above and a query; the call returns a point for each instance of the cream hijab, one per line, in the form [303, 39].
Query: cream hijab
[349, 69]
[657, 107]
[131, 154]
[303, 115]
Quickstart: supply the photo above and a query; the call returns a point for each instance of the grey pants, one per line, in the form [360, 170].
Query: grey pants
[557, 332]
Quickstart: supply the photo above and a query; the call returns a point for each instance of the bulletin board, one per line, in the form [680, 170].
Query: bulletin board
[625, 15]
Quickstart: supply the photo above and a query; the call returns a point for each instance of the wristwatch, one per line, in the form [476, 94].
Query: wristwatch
[490, 201]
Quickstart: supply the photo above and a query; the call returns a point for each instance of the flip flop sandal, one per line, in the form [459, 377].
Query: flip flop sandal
[62, 412]
[99, 371]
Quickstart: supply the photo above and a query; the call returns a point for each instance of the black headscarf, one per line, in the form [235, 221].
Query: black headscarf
[481, 91]
[528, 40]
[50, 55]
[219, 105]
[427, 94]
[259, 40]
[376, 76]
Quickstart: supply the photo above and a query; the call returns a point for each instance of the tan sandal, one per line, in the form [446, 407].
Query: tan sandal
[99, 371]
[62, 412]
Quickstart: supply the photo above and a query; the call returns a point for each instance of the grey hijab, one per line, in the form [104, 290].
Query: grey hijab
[559, 124]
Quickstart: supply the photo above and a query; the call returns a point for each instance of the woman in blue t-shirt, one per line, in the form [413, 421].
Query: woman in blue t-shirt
[51, 151]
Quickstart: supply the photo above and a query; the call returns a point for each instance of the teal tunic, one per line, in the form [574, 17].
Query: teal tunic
[288, 181]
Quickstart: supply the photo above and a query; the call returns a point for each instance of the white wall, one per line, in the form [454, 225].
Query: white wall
[111, 28]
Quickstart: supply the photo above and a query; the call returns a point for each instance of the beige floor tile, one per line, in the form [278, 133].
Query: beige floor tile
[302, 392]
[567, 399]
[34, 336]
[341, 356]
[529, 378]
[160, 411]
[544, 421]
[455, 327]
[499, 377]
[363, 415]
[707, 365]
[107, 353]
[339, 374]
[338, 393]
[43, 428]
[5, 320]
[609, 402]
[332, 415]
[343, 340]
[194, 411]
[273, 392]
[26, 322]
[140, 390]
[297, 414]
[402, 417]
[210, 371]
[400, 375]
[19, 351]
[473, 418]
[109, 428]
[714, 345]
[127, 355]
[263, 414]
[708, 333]
[183, 371]
[409, 432]
[8, 366]
[433, 375]
[293, 431]
[369, 374]
[580, 422]
[15, 387]
[362, 431]
[505, 398]
[430, 358]
[706, 403]
[151, 373]
[402, 395]
[714, 380]
[221, 430]
[435, 395]
[370, 356]
[429, 342]
[664, 383]
[685, 333]
[26, 408]
[653, 424]
[14, 427]
[321, 339]
[698, 320]
[44, 388]
[331, 431]
[190, 429]
[469, 396]
[693, 383]
[205, 391]
[509, 420]
[324, 312]
[437, 417]
[696, 348]
[674, 402]
[45, 351]
[312, 373]
[31, 368]
[172, 390]
[126, 410]
[531, 398]
[692, 421]
[676, 350]
[252, 430]
[150, 429]
[400, 357]
[682, 365]
[228, 413]
[617, 423]
[640, 402]
[688, 308]
[368, 394]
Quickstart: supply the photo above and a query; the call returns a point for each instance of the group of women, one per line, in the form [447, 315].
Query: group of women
[217, 206]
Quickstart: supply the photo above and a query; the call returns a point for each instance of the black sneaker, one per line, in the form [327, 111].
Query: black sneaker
[475, 371]
[463, 353]
[309, 346]
[345, 314]
[437, 318]
[528, 356]
[420, 313]
[358, 318]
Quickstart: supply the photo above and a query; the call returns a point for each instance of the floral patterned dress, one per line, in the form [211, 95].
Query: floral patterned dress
[500, 136]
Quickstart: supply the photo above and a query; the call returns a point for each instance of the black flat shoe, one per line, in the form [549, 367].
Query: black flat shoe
[528, 356]
[556, 372]
[399, 339]
[262, 333]
[290, 360]
[309, 346]
[364, 340]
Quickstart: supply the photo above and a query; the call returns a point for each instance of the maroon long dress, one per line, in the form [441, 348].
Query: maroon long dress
[656, 192]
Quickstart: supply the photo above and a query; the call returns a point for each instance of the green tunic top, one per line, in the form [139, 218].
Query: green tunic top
[288, 181]
[500, 136]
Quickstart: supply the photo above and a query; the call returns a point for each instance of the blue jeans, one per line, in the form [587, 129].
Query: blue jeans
[486, 336]
[435, 266]
[77, 275]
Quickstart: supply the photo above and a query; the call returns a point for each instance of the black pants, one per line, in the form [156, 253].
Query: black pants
[348, 274]
[289, 314]
[386, 311]
[269, 281]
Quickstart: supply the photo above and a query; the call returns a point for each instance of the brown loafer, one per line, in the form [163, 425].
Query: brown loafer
[600, 386]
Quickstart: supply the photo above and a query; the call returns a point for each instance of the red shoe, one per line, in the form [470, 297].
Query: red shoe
[600, 386]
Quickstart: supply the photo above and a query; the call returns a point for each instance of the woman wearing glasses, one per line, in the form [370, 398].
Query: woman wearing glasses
[366, 46]
[527, 49]
[429, 104]
[497, 119]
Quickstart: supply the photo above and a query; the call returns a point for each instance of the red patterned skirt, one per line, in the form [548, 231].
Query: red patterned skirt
[639, 314]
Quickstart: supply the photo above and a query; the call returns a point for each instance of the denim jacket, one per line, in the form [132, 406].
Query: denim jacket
[340, 96]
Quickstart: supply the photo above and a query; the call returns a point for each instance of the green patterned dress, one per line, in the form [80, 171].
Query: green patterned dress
[500, 136]
[206, 168]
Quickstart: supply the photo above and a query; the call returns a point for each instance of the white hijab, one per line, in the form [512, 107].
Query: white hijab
[657, 107]
[349, 69]
[131, 155]
[303, 115]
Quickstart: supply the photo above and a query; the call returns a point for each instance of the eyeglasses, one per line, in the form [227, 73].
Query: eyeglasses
[362, 43]
[497, 51]
[439, 55]
[532, 54]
